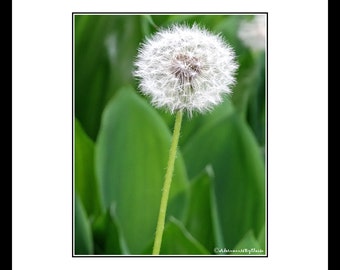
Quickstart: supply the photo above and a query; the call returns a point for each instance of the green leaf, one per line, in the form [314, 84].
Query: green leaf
[198, 220]
[192, 125]
[105, 48]
[178, 241]
[106, 235]
[218, 235]
[231, 149]
[248, 245]
[83, 235]
[131, 157]
[86, 184]
[249, 95]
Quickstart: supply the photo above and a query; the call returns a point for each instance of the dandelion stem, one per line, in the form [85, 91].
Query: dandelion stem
[167, 184]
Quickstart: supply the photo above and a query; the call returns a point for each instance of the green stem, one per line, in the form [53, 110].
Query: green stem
[167, 185]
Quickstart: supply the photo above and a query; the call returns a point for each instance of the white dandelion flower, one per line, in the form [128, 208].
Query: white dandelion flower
[185, 68]
[253, 33]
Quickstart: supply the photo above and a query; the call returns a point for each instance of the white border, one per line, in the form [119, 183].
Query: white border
[297, 122]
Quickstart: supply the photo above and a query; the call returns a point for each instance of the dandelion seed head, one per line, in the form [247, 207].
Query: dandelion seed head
[185, 68]
[253, 33]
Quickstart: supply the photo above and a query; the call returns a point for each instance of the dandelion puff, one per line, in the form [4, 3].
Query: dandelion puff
[253, 33]
[185, 68]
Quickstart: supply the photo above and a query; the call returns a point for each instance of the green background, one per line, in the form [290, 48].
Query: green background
[218, 195]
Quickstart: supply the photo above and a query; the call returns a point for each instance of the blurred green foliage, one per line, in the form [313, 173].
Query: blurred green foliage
[218, 193]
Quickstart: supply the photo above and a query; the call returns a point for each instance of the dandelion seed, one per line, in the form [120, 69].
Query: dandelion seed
[185, 68]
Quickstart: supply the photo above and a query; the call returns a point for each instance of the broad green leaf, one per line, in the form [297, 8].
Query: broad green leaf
[106, 235]
[131, 157]
[231, 149]
[192, 125]
[86, 184]
[248, 245]
[178, 241]
[83, 235]
[105, 47]
[198, 220]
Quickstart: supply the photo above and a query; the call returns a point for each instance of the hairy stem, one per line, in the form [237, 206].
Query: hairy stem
[167, 185]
